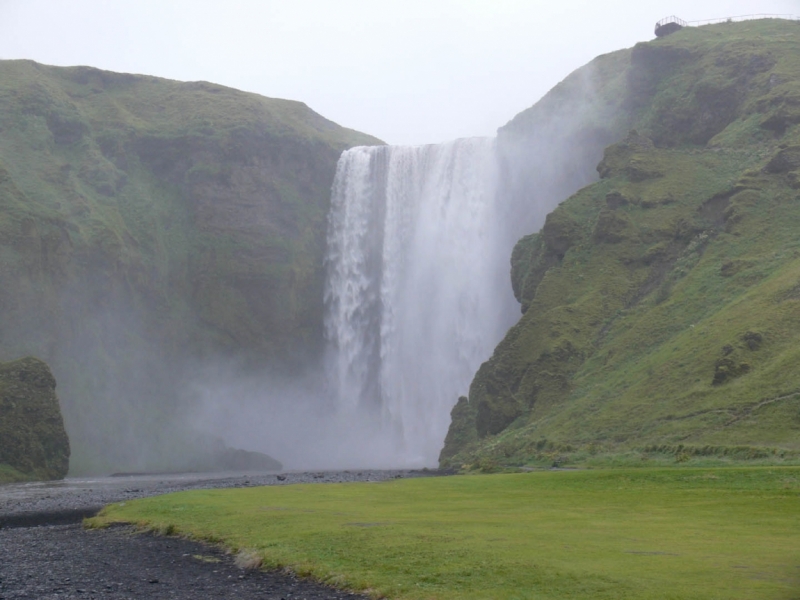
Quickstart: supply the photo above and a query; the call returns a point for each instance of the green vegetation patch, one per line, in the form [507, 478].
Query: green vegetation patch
[11, 475]
[644, 533]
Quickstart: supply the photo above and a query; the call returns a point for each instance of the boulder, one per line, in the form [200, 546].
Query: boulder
[209, 454]
[33, 440]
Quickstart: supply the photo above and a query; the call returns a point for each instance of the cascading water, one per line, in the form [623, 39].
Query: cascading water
[417, 291]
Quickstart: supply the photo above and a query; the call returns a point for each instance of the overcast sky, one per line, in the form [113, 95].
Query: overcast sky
[406, 71]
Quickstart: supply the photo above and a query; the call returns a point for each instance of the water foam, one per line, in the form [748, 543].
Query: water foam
[416, 292]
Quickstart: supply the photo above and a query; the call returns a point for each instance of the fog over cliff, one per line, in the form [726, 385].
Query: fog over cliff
[408, 72]
[417, 289]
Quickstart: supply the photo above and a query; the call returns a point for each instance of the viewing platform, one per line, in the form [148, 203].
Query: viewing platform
[671, 24]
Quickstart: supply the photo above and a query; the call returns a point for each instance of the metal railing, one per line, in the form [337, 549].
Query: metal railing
[672, 19]
[741, 18]
[676, 23]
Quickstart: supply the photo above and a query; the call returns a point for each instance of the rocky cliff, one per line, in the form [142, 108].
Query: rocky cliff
[148, 225]
[661, 314]
[33, 442]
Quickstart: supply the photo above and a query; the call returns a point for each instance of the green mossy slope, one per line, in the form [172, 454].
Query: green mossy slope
[148, 224]
[661, 304]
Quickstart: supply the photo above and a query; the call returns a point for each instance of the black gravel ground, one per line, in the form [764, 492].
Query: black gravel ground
[67, 561]
[45, 553]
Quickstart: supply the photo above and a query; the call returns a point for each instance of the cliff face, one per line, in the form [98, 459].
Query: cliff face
[33, 442]
[148, 224]
[661, 313]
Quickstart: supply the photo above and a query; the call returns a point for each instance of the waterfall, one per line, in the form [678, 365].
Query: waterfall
[417, 292]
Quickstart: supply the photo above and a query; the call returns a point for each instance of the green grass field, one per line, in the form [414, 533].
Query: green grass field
[636, 533]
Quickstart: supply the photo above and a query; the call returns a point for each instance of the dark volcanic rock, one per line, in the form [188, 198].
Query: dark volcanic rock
[32, 436]
[69, 562]
[212, 455]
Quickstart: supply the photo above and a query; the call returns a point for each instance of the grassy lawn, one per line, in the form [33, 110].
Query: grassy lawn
[638, 533]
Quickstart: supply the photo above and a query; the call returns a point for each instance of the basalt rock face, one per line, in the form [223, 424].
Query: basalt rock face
[661, 302]
[33, 441]
[149, 225]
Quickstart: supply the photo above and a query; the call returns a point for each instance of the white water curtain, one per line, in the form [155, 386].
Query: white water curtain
[417, 292]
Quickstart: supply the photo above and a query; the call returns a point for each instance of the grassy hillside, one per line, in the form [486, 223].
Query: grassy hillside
[148, 224]
[661, 306]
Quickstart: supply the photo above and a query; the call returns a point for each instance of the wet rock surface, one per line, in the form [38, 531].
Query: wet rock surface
[45, 552]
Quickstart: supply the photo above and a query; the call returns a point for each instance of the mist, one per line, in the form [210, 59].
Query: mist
[417, 292]
[160, 364]
[408, 72]
[294, 420]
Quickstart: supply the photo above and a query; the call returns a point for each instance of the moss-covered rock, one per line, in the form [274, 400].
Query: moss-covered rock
[560, 232]
[33, 441]
[496, 410]
[612, 227]
[462, 432]
[632, 157]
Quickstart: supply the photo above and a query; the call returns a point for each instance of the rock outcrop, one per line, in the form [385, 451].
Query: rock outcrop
[33, 441]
